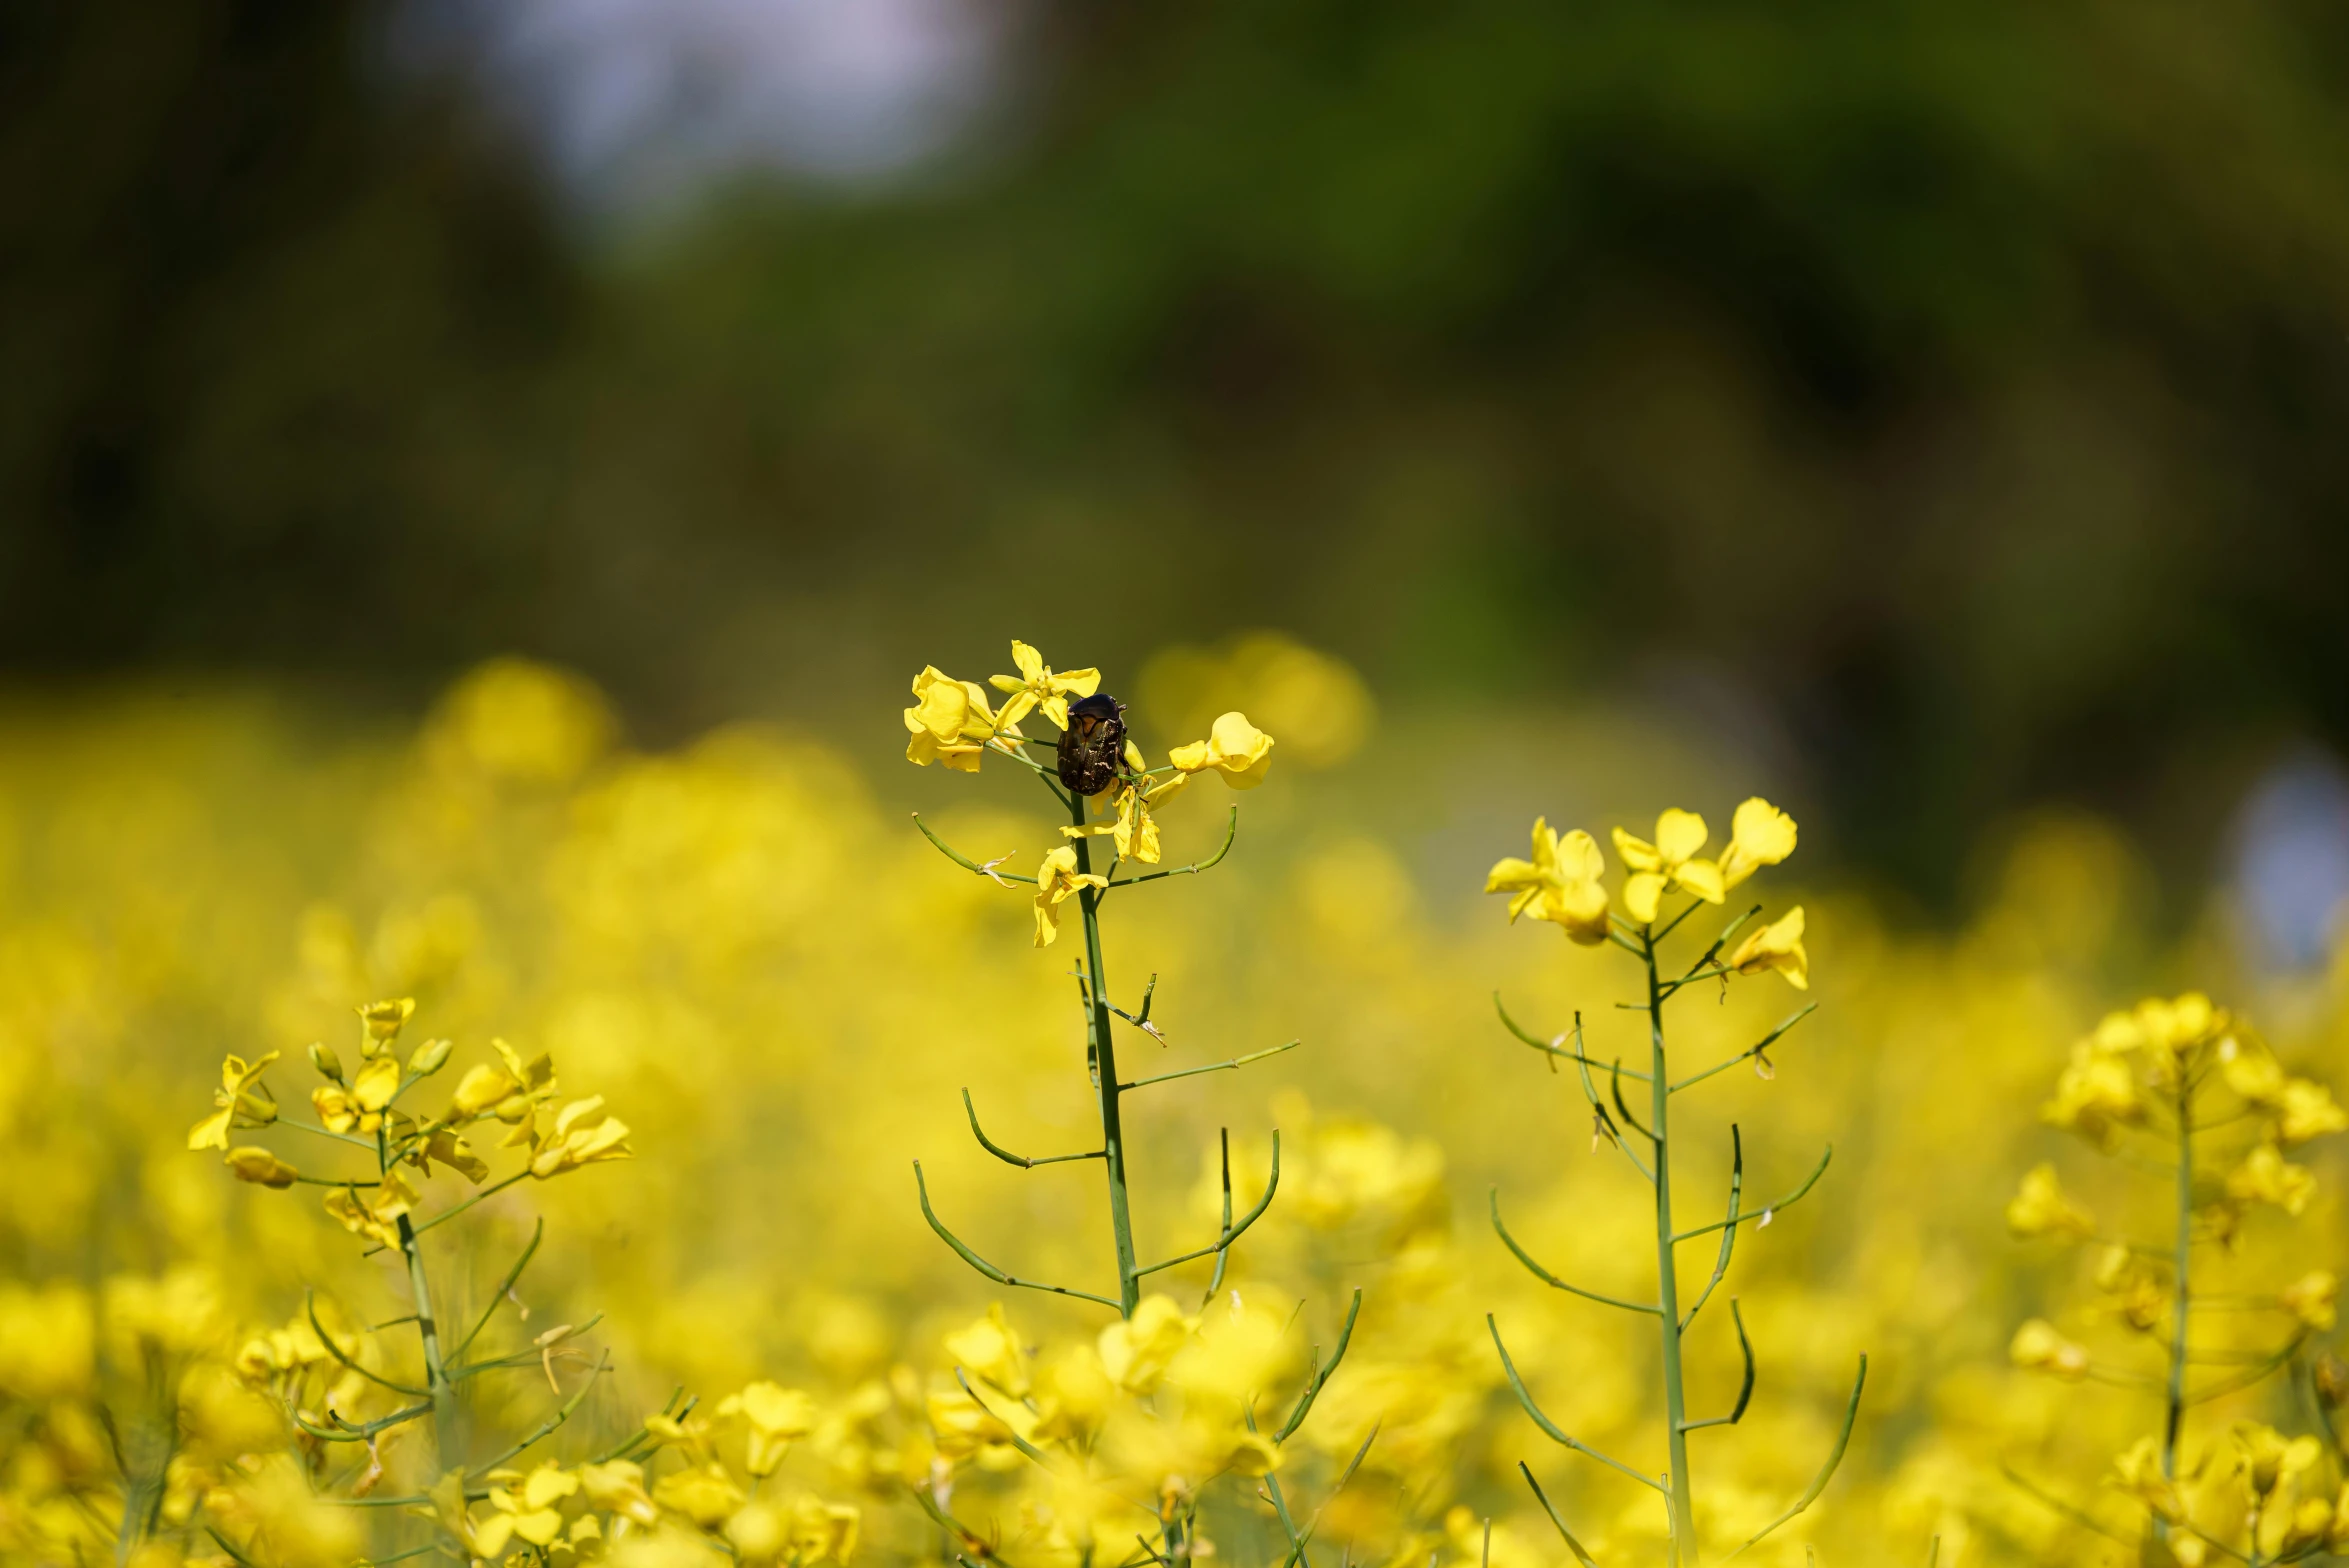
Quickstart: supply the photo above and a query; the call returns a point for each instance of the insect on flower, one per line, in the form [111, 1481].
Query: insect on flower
[1093, 745]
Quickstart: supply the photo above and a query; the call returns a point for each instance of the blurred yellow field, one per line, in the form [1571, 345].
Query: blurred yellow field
[709, 1005]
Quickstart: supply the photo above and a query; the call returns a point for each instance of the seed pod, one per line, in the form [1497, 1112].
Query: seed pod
[1092, 748]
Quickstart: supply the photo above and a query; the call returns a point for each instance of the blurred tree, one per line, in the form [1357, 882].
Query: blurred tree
[1971, 377]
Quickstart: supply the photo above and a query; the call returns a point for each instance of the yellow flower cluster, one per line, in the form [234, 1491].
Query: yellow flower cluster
[735, 940]
[952, 723]
[1564, 882]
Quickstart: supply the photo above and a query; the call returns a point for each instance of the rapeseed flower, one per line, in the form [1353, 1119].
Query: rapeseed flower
[1670, 862]
[1560, 884]
[1037, 689]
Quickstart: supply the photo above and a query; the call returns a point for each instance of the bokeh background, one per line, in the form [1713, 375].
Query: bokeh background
[1927, 414]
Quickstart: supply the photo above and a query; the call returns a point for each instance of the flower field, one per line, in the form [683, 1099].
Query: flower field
[559, 1203]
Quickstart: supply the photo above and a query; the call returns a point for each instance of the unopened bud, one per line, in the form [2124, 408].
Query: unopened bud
[2332, 1380]
[259, 1166]
[329, 1065]
[430, 1057]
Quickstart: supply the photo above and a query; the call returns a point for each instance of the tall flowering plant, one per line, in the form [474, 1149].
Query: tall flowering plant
[1668, 880]
[1123, 1436]
[375, 1430]
[2189, 1093]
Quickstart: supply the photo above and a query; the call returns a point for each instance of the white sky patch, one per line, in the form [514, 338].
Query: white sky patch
[641, 102]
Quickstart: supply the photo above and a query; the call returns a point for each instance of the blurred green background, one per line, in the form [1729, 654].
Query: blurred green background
[1938, 404]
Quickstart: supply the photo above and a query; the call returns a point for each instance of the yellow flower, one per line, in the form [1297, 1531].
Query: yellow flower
[2097, 1093]
[510, 1093]
[526, 1513]
[992, 1351]
[2042, 1208]
[1056, 879]
[777, 1416]
[2266, 1459]
[1037, 688]
[1759, 835]
[583, 1135]
[2265, 1176]
[1779, 946]
[1670, 862]
[2308, 1112]
[2314, 1298]
[260, 1166]
[951, 722]
[706, 1494]
[617, 1487]
[360, 1107]
[1559, 884]
[1238, 750]
[1137, 1353]
[241, 1094]
[2137, 1471]
[1135, 829]
[2038, 1347]
[380, 1022]
[803, 1532]
[376, 1214]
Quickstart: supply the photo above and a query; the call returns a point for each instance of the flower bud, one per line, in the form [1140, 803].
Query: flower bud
[2332, 1381]
[258, 1165]
[429, 1057]
[328, 1064]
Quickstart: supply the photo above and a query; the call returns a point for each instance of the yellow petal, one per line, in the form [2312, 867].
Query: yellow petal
[1077, 683]
[1512, 874]
[1680, 834]
[1578, 857]
[1640, 894]
[211, 1132]
[1637, 854]
[1700, 877]
[1760, 835]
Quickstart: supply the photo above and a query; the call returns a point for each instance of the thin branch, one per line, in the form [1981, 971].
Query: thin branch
[1233, 1232]
[1698, 969]
[310, 1306]
[2048, 1500]
[1745, 1392]
[489, 1191]
[1232, 831]
[1548, 1278]
[1615, 1087]
[1580, 1555]
[1548, 1048]
[1223, 1256]
[1017, 1441]
[347, 1432]
[1766, 1210]
[965, 861]
[1023, 1161]
[1517, 1385]
[524, 1358]
[1728, 1232]
[989, 1269]
[2249, 1376]
[537, 1233]
[554, 1420]
[1314, 1386]
[1211, 1067]
[1851, 1413]
[1694, 1079]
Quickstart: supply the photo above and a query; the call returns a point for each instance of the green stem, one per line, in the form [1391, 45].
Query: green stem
[1113, 1138]
[443, 1393]
[2174, 1417]
[1684, 1541]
